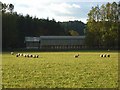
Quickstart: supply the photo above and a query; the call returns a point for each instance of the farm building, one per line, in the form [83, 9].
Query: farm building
[55, 42]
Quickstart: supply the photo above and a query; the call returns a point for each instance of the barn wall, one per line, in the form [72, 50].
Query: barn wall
[57, 42]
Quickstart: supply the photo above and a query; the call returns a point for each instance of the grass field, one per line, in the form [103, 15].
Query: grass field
[60, 70]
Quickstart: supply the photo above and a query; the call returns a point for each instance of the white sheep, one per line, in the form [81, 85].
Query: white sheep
[37, 56]
[24, 55]
[20, 54]
[17, 55]
[31, 55]
[101, 55]
[12, 53]
[104, 55]
[28, 55]
[76, 56]
[108, 55]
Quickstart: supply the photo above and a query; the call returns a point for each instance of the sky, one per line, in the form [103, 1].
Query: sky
[60, 10]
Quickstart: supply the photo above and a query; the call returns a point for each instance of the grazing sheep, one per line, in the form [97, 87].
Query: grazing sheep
[101, 55]
[17, 55]
[37, 56]
[21, 54]
[27, 55]
[108, 55]
[34, 56]
[12, 53]
[76, 56]
[104, 55]
[24, 55]
[31, 55]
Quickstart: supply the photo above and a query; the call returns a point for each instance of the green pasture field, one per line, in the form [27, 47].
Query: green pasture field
[60, 70]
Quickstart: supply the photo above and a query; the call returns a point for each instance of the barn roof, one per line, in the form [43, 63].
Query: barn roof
[53, 37]
[61, 37]
[31, 38]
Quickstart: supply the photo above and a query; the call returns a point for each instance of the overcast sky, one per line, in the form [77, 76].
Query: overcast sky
[60, 10]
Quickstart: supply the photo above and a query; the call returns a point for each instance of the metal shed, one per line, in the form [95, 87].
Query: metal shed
[55, 42]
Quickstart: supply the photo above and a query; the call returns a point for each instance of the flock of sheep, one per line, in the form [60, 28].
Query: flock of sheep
[101, 55]
[104, 55]
[25, 55]
[37, 56]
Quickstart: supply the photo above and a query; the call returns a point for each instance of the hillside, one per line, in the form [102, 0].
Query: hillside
[74, 25]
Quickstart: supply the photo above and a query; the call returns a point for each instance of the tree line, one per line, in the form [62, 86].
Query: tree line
[15, 27]
[103, 26]
[75, 28]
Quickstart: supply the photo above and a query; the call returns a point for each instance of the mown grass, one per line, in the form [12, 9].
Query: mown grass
[60, 70]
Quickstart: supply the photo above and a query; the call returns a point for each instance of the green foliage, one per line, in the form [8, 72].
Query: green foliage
[77, 26]
[15, 27]
[9, 30]
[60, 70]
[73, 33]
[103, 25]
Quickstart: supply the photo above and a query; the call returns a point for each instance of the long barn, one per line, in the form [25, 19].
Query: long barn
[55, 42]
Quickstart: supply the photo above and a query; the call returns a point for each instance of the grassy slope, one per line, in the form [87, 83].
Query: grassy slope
[61, 69]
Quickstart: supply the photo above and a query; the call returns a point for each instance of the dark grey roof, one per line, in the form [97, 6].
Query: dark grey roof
[60, 37]
[32, 39]
[53, 37]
